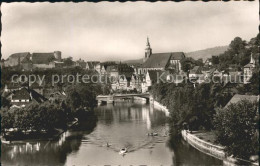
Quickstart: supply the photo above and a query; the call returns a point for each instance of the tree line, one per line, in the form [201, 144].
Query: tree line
[51, 115]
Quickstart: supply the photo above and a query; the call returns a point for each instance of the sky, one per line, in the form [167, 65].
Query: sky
[118, 31]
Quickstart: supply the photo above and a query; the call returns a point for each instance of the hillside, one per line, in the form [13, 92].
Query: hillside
[207, 53]
[135, 61]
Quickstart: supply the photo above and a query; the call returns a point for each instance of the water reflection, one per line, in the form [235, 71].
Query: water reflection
[120, 125]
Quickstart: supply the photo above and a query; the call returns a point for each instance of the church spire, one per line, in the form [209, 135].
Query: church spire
[252, 60]
[148, 50]
[148, 43]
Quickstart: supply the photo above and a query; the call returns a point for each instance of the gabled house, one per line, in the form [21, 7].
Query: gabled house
[102, 69]
[208, 62]
[93, 65]
[24, 96]
[112, 71]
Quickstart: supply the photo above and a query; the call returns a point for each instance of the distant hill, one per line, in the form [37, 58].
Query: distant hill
[204, 54]
[207, 53]
[135, 61]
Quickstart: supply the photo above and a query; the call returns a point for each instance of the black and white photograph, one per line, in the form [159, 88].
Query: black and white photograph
[130, 83]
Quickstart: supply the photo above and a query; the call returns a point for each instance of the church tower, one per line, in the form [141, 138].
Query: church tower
[252, 60]
[148, 50]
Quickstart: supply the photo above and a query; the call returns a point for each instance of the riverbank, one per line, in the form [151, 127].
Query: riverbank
[160, 107]
[36, 136]
[213, 150]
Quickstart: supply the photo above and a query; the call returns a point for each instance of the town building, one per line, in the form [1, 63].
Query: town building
[93, 65]
[248, 70]
[25, 96]
[208, 62]
[81, 63]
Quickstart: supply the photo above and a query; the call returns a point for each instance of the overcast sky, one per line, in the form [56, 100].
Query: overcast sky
[118, 31]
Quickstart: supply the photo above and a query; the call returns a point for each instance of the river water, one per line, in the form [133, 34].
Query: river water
[123, 125]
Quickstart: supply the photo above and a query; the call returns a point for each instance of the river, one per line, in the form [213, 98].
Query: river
[123, 125]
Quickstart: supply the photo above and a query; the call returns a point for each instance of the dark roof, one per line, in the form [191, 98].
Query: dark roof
[26, 60]
[21, 55]
[196, 70]
[13, 86]
[22, 94]
[27, 94]
[236, 98]
[42, 58]
[35, 85]
[92, 64]
[177, 56]
[159, 60]
[112, 68]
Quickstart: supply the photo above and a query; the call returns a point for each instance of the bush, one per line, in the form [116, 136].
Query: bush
[237, 128]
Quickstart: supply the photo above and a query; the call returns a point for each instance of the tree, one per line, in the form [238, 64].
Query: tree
[45, 116]
[237, 45]
[7, 119]
[187, 64]
[82, 96]
[5, 102]
[236, 127]
[68, 61]
[215, 60]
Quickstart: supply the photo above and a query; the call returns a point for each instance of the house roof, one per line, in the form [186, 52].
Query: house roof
[26, 60]
[112, 68]
[42, 58]
[21, 55]
[196, 70]
[249, 65]
[236, 98]
[92, 64]
[22, 94]
[27, 94]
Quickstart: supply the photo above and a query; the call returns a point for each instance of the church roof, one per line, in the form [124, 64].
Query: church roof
[177, 56]
[160, 60]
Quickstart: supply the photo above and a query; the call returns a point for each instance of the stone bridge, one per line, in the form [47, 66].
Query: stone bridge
[110, 99]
